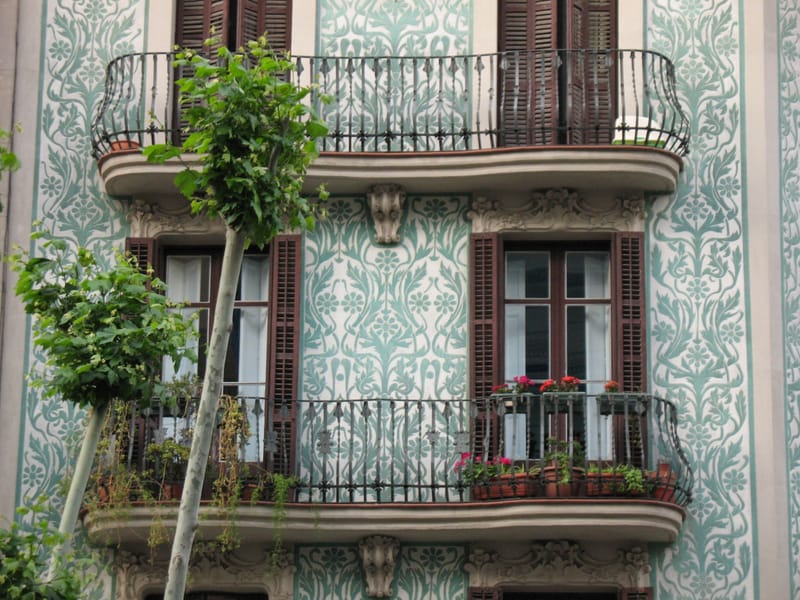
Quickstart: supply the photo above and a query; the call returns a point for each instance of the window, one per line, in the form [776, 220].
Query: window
[263, 347]
[557, 85]
[557, 306]
[557, 309]
[192, 280]
[548, 310]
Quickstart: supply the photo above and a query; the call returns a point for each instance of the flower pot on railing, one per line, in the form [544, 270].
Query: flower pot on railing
[506, 486]
[664, 483]
[120, 145]
[561, 482]
[603, 484]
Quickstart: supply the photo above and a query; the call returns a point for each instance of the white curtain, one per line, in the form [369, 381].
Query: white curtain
[253, 350]
[184, 278]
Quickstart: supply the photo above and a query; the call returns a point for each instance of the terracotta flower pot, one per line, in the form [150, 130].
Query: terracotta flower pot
[119, 145]
[554, 487]
[505, 486]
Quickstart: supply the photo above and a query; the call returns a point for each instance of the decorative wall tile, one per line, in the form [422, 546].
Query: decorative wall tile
[789, 74]
[696, 299]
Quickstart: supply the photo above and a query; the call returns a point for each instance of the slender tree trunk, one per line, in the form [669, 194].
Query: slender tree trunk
[77, 486]
[206, 415]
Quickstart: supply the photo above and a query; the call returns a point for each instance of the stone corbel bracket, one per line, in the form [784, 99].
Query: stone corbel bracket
[386, 204]
[379, 557]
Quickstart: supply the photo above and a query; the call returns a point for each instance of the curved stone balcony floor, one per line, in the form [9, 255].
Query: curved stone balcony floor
[613, 169]
[629, 520]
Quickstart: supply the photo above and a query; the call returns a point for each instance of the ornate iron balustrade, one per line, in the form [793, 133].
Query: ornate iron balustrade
[408, 451]
[436, 103]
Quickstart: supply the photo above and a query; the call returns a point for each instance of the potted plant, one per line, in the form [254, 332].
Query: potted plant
[497, 478]
[562, 476]
[618, 480]
[169, 460]
[663, 482]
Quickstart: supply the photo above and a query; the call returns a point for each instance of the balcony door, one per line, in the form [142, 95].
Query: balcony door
[557, 78]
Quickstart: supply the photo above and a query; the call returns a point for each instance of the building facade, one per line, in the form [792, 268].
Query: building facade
[597, 188]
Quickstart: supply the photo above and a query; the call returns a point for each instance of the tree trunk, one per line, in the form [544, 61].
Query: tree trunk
[206, 416]
[77, 486]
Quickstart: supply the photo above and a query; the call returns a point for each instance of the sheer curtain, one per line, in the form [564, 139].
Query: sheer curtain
[252, 351]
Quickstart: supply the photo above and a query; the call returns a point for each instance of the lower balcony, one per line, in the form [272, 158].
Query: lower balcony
[517, 466]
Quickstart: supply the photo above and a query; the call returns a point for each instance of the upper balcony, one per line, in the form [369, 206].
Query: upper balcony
[566, 466]
[503, 122]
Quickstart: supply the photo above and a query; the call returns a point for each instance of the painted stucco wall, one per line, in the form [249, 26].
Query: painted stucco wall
[703, 244]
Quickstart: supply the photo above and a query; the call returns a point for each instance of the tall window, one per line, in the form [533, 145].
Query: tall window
[557, 83]
[192, 280]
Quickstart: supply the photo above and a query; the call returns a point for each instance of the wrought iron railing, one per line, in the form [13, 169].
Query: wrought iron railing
[425, 451]
[435, 103]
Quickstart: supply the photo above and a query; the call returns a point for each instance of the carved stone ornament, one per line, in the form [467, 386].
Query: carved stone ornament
[379, 557]
[139, 575]
[155, 219]
[386, 203]
[557, 563]
[559, 210]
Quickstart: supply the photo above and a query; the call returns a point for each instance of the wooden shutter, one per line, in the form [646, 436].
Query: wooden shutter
[485, 335]
[528, 36]
[144, 249]
[273, 17]
[630, 360]
[629, 298]
[195, 20]
[600, 71]
[283, 351]
[478, 593]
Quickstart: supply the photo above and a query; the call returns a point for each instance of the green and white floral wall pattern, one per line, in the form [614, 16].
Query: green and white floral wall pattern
[417, 97]
[697, 307]
[422, 572]
[386, 321]
[80, 38]
[789, 76]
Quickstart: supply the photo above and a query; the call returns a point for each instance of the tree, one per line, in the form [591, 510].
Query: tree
[22, 559]
[105, 332]
[255, 133]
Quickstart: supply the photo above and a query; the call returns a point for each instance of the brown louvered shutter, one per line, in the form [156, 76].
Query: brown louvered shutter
[144, 249]
[601, 70]
[478, 593]
[485, 335]
[195, 20]
[256, 17]
[629, 301]
[283, 352]
[636, 594]
[573, 66]
[630, 436]
[528, 35]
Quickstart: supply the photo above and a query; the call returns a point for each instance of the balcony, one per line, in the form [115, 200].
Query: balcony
[400, 466]
[500, 123]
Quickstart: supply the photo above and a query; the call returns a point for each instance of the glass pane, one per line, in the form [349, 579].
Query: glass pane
[588, 275]
[588, 344]
[527, 349]
[254, 282]
[188, 278]
[527, 275]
